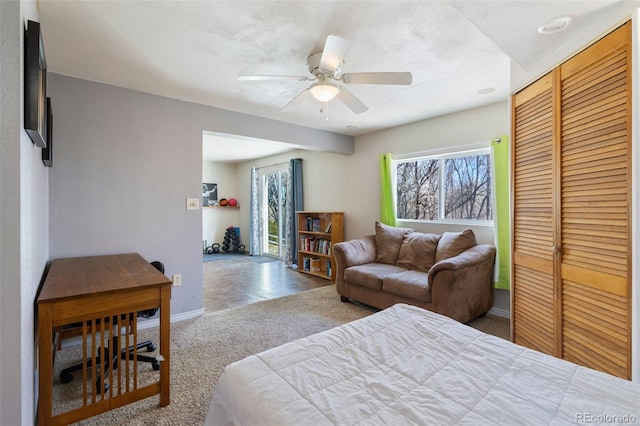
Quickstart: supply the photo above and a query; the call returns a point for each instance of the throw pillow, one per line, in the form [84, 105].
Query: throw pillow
[388, 242]
[418, 251]
[453, 243]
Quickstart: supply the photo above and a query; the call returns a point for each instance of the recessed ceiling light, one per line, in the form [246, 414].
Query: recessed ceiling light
[555, 25]
[486, 90]
[352, 127]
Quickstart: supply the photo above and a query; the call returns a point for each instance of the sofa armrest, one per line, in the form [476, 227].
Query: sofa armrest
[472, 256]
[461, 286]
[355, 252]
[350, 253]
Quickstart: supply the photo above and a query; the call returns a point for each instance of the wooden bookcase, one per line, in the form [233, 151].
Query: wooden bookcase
[317, 233]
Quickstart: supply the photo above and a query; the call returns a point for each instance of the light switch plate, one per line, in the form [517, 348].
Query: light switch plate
[193, 203]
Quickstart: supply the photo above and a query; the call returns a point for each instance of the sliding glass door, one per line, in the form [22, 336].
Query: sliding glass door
[273, 194]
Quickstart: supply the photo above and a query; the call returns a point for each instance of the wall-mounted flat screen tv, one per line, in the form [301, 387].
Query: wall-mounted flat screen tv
[35, 85]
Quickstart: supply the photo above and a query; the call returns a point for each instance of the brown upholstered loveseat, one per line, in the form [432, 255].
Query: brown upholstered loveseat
[449, 273]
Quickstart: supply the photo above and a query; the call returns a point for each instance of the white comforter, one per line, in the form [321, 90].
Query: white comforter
[406, 365]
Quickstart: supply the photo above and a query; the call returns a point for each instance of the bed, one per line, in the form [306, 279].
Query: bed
[406, 365]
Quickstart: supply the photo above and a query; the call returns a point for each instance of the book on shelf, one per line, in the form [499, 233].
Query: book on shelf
[328, 228]
[306, 263]
[315, 264]
[316, 245]
[312, 224]
[306, 243]
[328, 268]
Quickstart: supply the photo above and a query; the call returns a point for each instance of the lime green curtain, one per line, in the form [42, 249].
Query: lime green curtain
[387, 205]
[500, 167]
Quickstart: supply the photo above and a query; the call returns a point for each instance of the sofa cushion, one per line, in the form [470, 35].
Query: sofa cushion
[418, 251]
[388, 242]
[370, 274]
[410, 284]
[453, 243]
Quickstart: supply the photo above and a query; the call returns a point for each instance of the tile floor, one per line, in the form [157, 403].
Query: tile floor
[236, 282]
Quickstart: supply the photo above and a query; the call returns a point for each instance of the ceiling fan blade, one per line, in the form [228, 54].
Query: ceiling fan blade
[272, 77]
[333, 53]
[297, 100]
[351, 101]
[402, 78]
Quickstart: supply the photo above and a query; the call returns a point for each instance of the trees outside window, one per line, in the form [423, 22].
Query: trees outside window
[456, 186]
[276, 194]
[417, 189]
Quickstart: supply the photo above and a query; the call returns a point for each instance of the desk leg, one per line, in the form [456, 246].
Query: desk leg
[45, 364]
[165, 326]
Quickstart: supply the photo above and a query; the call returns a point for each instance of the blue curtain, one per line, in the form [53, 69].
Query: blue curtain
[294, 202]
[254, 220]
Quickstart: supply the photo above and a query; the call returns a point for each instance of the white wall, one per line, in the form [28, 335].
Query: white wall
[24, 233]
[216, 220]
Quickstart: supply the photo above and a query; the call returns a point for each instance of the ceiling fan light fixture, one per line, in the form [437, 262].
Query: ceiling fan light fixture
[324, 91]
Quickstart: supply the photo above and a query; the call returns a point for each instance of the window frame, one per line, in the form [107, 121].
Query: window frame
[441, 157]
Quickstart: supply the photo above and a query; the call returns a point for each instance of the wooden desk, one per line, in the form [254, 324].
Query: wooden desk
[104, 293]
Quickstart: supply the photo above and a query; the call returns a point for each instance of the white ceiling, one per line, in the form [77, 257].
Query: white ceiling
[194, 51]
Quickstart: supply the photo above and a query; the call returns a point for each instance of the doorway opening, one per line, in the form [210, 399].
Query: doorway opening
[272, 195]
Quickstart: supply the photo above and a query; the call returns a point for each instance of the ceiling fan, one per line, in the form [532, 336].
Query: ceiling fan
[325, 68]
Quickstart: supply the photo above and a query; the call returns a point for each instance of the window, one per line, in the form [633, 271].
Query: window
[451, 187]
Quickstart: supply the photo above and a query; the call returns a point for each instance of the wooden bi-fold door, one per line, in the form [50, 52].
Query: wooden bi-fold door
[595, 199]
[572, 209]
[534, 289]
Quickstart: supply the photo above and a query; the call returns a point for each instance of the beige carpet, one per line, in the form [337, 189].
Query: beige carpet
[200, 349]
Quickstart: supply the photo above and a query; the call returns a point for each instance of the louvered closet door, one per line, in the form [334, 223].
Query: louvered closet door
[595, 205]
[533, 236]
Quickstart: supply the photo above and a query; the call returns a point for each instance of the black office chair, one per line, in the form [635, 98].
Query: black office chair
[149, 345]
[111, 362]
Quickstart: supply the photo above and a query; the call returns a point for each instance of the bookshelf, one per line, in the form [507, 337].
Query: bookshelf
[317, 233]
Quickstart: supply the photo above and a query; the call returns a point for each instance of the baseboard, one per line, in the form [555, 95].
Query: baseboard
[502, 313]
[183, 316]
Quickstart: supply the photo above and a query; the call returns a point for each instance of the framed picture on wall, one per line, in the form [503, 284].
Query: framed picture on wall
[209, 194]
[35, 85]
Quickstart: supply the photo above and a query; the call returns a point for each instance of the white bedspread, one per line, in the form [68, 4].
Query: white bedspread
[406, 365]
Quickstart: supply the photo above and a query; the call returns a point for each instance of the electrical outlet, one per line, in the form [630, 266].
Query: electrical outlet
[177, 280]
[193, 203]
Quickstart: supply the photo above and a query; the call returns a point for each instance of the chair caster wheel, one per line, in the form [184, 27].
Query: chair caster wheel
[151, 347]
[156, 366]
[66, 377]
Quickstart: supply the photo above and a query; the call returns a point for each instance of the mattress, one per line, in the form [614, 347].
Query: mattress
[406, 365]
